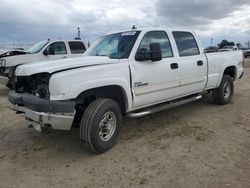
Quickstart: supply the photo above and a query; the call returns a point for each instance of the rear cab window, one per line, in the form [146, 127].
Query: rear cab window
[186, 43]
[76, 47]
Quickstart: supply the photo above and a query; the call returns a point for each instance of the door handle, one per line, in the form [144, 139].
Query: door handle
[199, 63]
[174, 65]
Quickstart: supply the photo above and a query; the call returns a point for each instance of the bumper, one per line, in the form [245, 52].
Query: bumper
[242, 74]
[42, 113]
[4, 80]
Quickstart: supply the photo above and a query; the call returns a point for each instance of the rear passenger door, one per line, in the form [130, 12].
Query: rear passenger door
[192, 63]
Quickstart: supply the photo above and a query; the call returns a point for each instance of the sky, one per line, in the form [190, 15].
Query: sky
[30, 21]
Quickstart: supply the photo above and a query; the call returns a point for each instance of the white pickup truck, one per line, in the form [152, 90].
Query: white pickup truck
[133, 73]
[41, 51]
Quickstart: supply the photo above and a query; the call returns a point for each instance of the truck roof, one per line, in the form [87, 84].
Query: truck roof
[145, 29]
[60, 40]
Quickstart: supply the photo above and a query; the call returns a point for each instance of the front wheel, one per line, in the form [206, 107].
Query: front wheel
[100, 125]
[224, 93]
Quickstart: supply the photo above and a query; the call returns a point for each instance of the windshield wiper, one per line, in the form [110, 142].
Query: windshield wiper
[100, 54]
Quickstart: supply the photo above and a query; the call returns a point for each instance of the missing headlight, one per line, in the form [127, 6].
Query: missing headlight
[37, 84]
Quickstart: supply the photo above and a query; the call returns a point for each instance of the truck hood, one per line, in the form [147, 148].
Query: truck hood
[14, 60]
[62, 65]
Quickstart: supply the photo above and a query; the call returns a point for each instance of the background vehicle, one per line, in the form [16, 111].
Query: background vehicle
[247, 53]
[42, 51]
[133, 73]
[228, 48]
[211, 49]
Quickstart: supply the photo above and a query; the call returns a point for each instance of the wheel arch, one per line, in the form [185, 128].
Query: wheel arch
[228, 70]
[115, 92]
[231, 71]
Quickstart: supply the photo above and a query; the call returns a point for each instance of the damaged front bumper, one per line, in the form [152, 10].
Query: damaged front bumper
[3, 74]
[43, 113]
[4, 80]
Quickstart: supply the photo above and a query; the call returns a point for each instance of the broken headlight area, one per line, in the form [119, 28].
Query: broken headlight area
[37, 84]
[2, 70]
[2, 62]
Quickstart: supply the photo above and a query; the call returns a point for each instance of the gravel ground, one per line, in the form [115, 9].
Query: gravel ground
[195, 145]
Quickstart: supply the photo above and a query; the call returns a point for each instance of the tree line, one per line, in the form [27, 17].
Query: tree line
[225, 42]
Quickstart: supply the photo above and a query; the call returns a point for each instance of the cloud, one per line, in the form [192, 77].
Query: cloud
[35, 20]
[197, 12]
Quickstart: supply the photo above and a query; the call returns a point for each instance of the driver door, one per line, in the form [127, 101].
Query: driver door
[155, 82]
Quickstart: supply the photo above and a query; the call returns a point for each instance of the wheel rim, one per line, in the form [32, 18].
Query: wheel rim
[227, 90]
[107, 126]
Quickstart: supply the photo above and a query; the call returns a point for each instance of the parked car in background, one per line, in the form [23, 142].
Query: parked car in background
[228, 48]
[134, 73]
[42, 51]
[247, 53]
[211, 49]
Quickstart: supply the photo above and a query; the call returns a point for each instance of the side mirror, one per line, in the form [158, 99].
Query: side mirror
[154, 54]
[45, 52]
[155, 50]
[142, 55]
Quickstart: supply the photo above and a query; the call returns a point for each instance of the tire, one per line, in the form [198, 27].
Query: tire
[100, 125]
[224, 93]
[10, 85]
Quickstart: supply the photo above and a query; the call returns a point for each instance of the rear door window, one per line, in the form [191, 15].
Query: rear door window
[186, 43]
[76, 47]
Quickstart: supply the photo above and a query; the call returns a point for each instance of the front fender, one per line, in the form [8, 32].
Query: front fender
[69, 84]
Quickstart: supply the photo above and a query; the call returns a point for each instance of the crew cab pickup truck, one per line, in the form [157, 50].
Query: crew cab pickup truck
[44, 50]
[133, 73]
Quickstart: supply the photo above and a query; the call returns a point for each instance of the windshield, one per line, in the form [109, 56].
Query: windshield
[115, 46]
[37, 47]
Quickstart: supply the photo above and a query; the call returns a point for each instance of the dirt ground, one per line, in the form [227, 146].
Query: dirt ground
[195, 145]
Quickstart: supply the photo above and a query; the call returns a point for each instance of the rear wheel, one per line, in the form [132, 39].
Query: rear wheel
[100, 125]
[224, 93]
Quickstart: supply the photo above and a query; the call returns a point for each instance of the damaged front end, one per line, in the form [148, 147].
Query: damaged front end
[4, 73]
[36, 84]
[32, 97]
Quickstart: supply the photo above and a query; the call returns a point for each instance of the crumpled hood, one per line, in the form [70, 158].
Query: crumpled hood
[3, 51]
[14, 60]
[9, 53]
[62, 65]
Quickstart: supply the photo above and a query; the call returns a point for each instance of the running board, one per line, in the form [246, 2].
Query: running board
[165, 106]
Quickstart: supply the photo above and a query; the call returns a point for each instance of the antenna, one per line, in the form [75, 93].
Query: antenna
[79, 32]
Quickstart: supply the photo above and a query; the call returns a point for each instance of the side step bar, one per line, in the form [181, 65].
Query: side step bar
[165, 106]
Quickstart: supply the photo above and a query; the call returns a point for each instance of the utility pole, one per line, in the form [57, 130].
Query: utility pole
[211, 39]
[78, 32]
